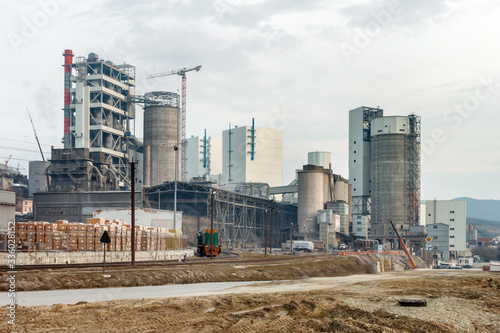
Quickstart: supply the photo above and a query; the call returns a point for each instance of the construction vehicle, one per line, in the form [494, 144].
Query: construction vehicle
[413, 266]
[205, 247]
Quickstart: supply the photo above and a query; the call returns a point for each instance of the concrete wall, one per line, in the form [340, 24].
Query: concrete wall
[48, 258]
[195, 166]
[148, 217]
[192, 224]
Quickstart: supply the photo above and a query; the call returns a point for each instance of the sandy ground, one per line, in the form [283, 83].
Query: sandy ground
[457, 301]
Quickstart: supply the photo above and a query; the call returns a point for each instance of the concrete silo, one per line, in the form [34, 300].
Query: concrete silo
[313, 194]
[162, 132]
[395, 173]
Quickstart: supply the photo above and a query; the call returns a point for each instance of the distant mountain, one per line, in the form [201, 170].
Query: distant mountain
[482, 209]
[485, 228]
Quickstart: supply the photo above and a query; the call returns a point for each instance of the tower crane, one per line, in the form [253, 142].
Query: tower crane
[181, 72]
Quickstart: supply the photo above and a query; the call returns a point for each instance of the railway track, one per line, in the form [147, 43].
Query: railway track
[142, 264]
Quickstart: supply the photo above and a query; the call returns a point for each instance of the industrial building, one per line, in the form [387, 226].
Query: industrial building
[384, 170]
[37, 181]
[252, 154]
[98, 111]
[7, 208]
[240, 219]
[203, 157]
[79, 206]
[450, 242]
[324, 201]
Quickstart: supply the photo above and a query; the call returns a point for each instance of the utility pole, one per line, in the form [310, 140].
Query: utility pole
[291, 238]
[132, 210]
[272, 213]
[212, 224]
[176, 148]
[265, 237]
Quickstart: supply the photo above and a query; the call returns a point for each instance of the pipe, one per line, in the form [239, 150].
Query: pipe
[147, 165]
[68, 60]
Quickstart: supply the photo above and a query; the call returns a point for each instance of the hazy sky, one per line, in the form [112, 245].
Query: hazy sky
[296, 65]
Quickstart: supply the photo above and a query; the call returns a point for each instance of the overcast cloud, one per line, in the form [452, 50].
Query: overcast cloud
[296, 65]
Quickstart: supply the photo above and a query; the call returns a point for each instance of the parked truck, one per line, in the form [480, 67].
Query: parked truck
[305, 246]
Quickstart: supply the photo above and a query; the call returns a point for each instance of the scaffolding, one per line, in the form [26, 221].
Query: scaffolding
[413, 170]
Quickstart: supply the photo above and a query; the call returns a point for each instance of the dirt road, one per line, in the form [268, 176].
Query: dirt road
[458, 301]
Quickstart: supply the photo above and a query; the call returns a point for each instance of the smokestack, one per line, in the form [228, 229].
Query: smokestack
[68, 60]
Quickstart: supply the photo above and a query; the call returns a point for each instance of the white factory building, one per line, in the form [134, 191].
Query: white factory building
[252, 155]
[203, 157]
[447, 226]
[384, 171]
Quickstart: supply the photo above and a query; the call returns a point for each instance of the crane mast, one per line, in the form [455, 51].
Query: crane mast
[181, 72]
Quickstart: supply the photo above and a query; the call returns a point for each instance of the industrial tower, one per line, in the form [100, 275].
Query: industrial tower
[97, 115]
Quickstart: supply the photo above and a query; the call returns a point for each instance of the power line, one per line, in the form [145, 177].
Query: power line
[29, 142]
[22, 149]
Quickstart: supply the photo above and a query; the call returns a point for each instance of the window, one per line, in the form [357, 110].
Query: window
[436, 237]
[358, 229]
[429, 214]
[354, 180]
[354, 189]
[354, 152]
[359, 222]
[354, 161]
[379, 131]
[354, 142]
[452, 212]
[401, 129]
[452, 236]
[452, 228]
[452, 245]
[434, 227]
[452, 219]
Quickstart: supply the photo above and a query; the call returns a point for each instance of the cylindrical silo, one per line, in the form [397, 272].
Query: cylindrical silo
[320, 158]
[162, 132]
[312, 195]
[389, 176]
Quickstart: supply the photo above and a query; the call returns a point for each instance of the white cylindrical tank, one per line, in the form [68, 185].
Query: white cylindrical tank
[320, 158]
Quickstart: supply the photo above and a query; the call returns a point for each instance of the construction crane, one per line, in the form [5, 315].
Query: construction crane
[181, 72]
[36, 136]
[403, 245]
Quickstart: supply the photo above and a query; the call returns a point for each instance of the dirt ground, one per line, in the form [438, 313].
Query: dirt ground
[457, 301]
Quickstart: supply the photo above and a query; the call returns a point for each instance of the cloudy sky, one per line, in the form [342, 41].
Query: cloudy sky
[296, 65]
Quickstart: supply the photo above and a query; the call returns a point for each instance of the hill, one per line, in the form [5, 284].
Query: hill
[486, 228]
[482, 209]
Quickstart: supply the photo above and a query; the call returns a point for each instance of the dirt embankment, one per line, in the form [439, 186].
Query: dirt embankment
[457, 302]
[251, 267]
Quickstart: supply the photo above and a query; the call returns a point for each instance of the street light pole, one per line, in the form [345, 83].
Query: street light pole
[175, 187]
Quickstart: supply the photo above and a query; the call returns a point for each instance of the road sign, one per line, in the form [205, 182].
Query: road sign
[105, 238]
[428, 247]
[428, 239]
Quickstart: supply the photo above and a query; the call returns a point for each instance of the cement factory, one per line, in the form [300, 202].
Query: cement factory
[241, 169]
